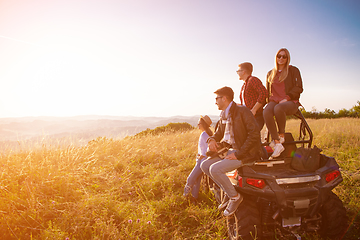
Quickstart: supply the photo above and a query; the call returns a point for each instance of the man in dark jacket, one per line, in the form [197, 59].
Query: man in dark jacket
[237, 128]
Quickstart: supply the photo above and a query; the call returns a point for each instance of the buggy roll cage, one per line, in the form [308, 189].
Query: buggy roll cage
[305, 133]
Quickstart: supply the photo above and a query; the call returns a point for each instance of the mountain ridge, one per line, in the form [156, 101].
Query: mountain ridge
[80, 129]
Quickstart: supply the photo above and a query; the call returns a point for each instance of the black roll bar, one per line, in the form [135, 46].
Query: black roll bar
[305, 134]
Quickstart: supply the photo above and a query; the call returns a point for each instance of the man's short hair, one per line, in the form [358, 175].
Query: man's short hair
[248, 67]
[225, 91]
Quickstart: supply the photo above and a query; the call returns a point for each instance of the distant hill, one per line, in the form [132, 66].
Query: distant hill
[79, 129]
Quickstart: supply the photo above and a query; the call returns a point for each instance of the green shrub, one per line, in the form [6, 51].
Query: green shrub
[171, 127]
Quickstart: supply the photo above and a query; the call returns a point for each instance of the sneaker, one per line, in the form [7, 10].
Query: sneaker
[278, 149]
[272, 144]
[224, 202]
[233, 205]
[187, 191]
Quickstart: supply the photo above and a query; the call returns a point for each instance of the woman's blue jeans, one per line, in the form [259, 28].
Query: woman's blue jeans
[194, 179]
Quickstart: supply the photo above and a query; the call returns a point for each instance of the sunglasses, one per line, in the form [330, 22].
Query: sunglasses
[279, 56]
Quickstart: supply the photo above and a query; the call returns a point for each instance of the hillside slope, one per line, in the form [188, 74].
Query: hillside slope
[132, 188]
[109, 189]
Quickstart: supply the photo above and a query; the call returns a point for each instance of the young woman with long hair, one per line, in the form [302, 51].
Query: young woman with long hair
[284, 85]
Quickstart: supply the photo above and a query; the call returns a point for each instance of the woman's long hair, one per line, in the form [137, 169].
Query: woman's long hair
[284, 72]
[207, 127]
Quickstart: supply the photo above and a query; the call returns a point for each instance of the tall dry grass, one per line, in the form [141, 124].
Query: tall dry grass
[127, 189]
[132, 188]
[340, 138]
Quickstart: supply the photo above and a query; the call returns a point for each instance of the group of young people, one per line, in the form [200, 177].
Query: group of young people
[240, 125]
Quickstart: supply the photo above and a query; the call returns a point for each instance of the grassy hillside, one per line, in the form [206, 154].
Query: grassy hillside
[132, 188]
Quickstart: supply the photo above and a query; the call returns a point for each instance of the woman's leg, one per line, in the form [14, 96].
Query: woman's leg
[193, 176]
[270, 121]
[280, 112]
[196, 178]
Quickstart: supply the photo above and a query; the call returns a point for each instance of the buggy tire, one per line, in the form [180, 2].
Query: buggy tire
[245, 223]
[334, 219]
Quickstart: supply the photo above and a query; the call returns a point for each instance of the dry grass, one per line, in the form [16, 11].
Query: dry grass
[107, 190]
[131, 188]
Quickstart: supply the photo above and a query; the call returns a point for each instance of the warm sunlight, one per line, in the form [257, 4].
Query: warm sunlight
[71, 76]
[62, 58]
[100, 127]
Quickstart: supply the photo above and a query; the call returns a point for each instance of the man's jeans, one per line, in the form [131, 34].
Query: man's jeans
[216, 168]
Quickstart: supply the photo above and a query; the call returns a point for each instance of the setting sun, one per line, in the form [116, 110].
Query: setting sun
[64, 58]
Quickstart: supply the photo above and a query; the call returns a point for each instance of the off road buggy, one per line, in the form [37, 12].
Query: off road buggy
[283, 203]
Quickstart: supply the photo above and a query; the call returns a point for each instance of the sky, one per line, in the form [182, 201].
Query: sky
[167, 57]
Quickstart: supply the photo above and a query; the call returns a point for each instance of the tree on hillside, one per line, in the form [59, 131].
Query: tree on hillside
[328, 113]
[344, 113]
[312, 114]
[355, 110]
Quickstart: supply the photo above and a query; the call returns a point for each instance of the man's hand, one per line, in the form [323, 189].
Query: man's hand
[231, 156]
[256, 107]
[213, 146]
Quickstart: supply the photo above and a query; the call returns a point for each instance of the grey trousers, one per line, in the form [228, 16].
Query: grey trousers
[216, 168]
[279, 110]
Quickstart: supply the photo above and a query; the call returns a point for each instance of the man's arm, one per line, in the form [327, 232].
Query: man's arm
[256, 107]
[262, 94]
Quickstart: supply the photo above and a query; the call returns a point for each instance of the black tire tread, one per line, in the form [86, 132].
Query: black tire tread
[334, 219]
[249, 221]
